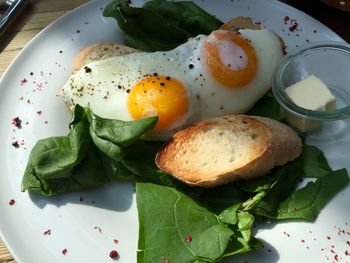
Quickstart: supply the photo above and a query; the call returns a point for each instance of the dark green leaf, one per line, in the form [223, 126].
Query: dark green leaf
[78, 161]
[160, 25]
[287, 177]
[229, 215]
[314, 163]
[140, 161]
[185, 15]
[53, 158]
[222, 197]
[167, 217]
[121, 133]
[268, 107]
[257, 184]
[307, 202]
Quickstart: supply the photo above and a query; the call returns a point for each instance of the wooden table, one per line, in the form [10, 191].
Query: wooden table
[42, 12]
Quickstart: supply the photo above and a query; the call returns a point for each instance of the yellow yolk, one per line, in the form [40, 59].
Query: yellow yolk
[158, 95]
[231, 59]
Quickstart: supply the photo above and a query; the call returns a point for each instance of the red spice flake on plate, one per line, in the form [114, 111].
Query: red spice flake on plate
[113, 254]
[294, 25]
[165, 260]
[336, 257]
[115, 241]
[23, 81]
[46, 122]
[12, 202]
[78, 31]
[302, 241]
[188, 238]
[17, 122]
[347, 253]
[39, 112]
[328, 237]
[47, 232]
[348, 242]
[64, 251]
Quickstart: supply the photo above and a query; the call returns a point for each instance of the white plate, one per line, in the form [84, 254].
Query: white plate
[86, 223]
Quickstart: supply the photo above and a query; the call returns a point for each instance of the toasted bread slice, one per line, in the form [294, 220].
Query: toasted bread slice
[226, 149]
[99, 51]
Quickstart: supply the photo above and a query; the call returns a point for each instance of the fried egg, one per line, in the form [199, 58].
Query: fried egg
[208, 76]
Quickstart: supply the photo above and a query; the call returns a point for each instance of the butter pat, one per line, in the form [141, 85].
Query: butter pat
[312, 94]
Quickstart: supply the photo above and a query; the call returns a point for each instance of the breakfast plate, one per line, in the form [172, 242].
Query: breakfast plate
[85, 226]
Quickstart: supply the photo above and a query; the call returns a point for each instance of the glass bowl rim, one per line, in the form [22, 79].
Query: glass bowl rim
[291, 107]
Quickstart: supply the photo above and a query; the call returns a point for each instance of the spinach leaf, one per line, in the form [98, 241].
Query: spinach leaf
[160, 25]
[89, 156]
[114, 136]
[307, 202]
[169, 219]
[314, 162]
[287, 177]
[185, 15]
[241, 223]
[140, 161]
[67, 163]
[222, 197]
[268, 107]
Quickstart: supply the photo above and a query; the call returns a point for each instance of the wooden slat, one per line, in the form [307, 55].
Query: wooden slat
[58, 5]
[37, 21]
[4, 254]
[21, 39]
[5, 58]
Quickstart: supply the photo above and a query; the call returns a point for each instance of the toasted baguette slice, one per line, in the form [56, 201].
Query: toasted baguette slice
[226, 149]
[99, 51]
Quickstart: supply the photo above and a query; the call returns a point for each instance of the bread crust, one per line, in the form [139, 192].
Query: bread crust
[227, 149]
[99, 51]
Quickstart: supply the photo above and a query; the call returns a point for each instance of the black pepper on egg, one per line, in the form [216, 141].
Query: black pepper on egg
[87, 69]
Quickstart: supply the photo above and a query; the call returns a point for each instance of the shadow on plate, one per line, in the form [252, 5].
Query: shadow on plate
[117, 196]
[266, 254]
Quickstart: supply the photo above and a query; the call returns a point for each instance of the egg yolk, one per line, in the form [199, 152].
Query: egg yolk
[231, 59]
[165, 97]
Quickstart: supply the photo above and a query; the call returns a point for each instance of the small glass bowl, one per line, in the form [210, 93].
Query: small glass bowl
[330, 62]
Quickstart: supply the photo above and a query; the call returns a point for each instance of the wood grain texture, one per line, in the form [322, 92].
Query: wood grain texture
[42, 12]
